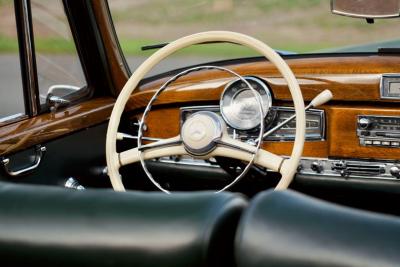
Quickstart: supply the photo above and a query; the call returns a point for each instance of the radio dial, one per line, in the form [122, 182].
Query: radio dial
[364, 123]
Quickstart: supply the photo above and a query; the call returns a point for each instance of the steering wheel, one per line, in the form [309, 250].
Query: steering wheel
[204, 134]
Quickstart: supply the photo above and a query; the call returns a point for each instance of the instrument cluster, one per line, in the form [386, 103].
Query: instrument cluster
[240, 109]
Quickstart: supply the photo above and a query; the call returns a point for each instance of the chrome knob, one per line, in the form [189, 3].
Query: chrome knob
[317, 167]
[71, 183]
[364, 123]
[395, 171]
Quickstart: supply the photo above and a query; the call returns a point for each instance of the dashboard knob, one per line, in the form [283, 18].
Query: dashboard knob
[395, 171]
[317, 166]
[364, 123]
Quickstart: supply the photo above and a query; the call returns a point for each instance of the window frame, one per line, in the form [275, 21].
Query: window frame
[88, 43]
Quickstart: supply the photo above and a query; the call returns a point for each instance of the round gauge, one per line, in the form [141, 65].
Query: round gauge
[239, 106]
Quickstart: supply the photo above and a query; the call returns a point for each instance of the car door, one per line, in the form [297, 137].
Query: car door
[55, 93]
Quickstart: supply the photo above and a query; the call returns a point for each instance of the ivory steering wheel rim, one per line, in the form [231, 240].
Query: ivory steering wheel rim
[287, 167]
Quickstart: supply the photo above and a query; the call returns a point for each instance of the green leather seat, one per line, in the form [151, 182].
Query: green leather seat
[48, 226]
[289, 229]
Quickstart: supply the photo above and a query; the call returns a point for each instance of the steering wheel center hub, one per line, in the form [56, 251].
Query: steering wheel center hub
[200, 131]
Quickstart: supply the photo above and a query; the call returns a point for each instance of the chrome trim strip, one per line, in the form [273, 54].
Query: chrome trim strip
[329, 168]
[306, 163]
[12, 117]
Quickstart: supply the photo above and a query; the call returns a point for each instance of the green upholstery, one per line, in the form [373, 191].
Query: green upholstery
[48, 226]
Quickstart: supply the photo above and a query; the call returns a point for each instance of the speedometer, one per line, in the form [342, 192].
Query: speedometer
[239, 106]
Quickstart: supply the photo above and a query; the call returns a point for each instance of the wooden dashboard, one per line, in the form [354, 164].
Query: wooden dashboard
[353, 80]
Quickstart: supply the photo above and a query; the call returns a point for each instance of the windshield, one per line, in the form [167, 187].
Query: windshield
[299, 26]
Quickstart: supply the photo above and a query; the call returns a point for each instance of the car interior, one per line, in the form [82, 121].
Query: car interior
[110, 158]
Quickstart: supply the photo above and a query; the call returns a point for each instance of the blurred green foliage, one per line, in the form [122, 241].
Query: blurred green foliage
[293, 25]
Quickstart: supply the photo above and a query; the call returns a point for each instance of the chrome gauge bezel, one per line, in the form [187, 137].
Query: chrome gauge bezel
[228, 95]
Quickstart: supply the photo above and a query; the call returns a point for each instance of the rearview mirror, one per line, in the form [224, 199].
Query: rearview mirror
[368, 9]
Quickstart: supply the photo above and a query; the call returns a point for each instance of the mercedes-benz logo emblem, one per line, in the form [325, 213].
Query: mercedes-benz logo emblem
[197, 131]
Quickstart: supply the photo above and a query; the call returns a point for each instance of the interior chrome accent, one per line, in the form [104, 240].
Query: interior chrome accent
[357, 168]
[62, 95]
[395, 171]
[378, 130]
[320, 99]
[262, 157]
[389, 170]
[72, 183]
[12, 117]
[238, 105]
[39, 154]
[201, 131]
[390, 86]
[163, 87]
[315, 120]
[315, 125]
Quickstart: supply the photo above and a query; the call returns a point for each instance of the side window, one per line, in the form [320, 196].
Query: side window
[11, 91]
[59, 69]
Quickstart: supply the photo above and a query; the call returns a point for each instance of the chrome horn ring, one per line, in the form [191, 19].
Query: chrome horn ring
[215, 141]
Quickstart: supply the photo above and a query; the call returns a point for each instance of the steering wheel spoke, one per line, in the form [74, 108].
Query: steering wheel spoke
[162, 148]
[229, 147]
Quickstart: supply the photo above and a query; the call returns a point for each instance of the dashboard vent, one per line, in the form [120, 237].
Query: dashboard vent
[361, 169]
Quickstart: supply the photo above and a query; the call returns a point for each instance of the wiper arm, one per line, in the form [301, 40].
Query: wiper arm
[158, 46]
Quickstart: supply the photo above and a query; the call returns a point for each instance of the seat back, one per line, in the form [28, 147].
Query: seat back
[288, 229]
[47, 226]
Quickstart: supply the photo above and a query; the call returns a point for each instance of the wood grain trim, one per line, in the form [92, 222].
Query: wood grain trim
[164, 123]
[343, 137]
[350, 78]
[341, 140]
[29, 132]
[119, 72]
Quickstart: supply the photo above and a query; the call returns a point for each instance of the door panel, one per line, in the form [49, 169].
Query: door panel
[80, 155]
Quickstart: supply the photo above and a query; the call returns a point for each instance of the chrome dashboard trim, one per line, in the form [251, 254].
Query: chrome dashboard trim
[322, 126]
[305, 167]
[383, 92]
[329, 168]
[216, 108]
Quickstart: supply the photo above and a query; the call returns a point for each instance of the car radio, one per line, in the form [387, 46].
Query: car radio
[378, 130]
